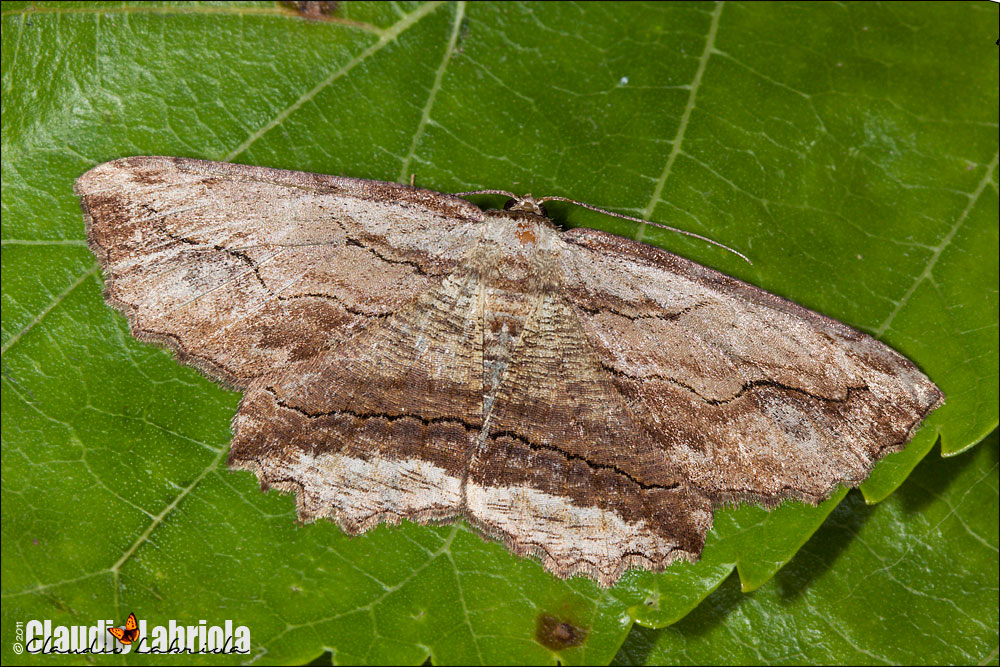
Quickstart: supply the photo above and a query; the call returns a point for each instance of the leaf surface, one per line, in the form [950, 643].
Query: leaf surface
[849, 150]
[910, 581]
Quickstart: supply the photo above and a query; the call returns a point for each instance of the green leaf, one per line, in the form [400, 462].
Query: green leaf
[849, 150]
[912, 580]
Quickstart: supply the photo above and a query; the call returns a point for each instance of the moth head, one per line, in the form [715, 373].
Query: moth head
[526, 203]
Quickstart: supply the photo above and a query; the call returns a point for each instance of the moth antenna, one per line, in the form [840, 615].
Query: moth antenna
[486, 192]
[647, 222]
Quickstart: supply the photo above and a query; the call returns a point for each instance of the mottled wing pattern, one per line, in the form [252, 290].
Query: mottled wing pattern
[230, 265]
[379, 429]
[749, 396]
[583, 397]
[561, 468]
[565, 472]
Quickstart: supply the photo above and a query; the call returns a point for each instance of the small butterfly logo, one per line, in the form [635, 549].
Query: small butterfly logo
[129, 633]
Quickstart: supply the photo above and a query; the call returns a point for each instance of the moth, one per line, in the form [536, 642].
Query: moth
[582, 397]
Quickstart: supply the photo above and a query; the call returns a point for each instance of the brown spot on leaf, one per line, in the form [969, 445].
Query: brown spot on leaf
[556, 634]
[312, 10]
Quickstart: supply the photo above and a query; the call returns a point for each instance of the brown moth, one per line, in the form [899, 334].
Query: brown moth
[582, 397]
